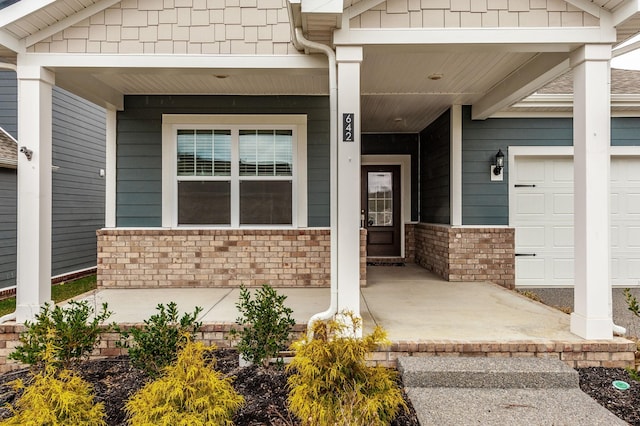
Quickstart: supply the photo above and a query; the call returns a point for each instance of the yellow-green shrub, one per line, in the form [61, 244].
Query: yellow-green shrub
[55, 397]
[190, 392]
[331, 384]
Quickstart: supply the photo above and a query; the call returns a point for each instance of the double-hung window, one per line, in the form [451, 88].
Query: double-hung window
[234, 170]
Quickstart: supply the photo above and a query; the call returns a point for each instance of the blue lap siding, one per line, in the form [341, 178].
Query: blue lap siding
[78, 133]
[139, 153]
[487, 203]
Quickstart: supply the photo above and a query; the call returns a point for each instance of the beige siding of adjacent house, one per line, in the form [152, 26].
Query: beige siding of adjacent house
[473, 14]
[259, 27]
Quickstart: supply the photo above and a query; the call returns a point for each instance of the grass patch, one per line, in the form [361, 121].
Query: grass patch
[64, 291]
[59, 292]
[7, 306]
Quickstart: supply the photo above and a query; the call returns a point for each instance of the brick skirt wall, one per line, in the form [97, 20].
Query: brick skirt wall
[618, 353]
[146, 258]
[467, 254]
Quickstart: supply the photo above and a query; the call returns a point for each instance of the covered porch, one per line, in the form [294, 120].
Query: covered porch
[423, 314]
[202, 69]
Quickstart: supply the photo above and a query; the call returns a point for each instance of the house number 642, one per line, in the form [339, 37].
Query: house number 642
[347, 127]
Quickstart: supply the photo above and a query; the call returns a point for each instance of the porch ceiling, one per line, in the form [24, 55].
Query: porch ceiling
[397, 94]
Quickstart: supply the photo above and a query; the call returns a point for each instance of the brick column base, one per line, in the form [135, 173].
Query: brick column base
[467, 254]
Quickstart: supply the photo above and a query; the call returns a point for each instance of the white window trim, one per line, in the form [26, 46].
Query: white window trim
[170, 122]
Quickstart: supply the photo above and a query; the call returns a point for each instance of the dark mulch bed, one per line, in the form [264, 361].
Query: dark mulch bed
[264, 390]
[597, 383]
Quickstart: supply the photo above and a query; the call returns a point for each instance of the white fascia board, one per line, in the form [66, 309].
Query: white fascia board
[533, 114]
[91, 89]
[10, 42]
[625, 49]
[519, 39]
[69, 21]
[590, 7]
[557, 114]
[360, 7]
[322, 6]
[543, 100]
[8, 66]
[9, 164]
[535, 74]
[625, 11]
[21, 9]
[146, 61]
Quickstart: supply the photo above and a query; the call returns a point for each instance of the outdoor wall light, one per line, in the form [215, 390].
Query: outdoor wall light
[27, 152]
[497, 168]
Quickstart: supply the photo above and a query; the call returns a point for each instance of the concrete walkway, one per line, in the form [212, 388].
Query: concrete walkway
[499, 391]
[409, 302]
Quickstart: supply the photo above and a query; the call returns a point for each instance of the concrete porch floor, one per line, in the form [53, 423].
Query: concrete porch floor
[411, 303]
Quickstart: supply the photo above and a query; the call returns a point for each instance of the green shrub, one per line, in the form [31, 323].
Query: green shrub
[55, 398]
[69, 329]
[632, 302]
[266, 324]
[331, 383]
[155, 345]
[189, 393]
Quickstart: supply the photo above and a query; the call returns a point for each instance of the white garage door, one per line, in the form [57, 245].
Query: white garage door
[542, 213]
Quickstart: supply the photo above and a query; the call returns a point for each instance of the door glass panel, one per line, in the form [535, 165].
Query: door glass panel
[380, 198]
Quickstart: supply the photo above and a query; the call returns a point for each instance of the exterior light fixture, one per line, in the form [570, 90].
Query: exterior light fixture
[498, 167]
[27, 152]
[435, 76]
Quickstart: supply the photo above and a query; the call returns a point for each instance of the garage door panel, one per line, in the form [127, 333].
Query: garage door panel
[562, 236]
[633, 203]
[614, 198]
[633, 271]
[550, 234]
[615, 236]
[615, 269]
[530, 269]
[562, 204]
[562, 269]
[531, 237]
[530, 171]
[630, 167]
[633, 236]
[530, 204]
[625, 271]
[562, 170]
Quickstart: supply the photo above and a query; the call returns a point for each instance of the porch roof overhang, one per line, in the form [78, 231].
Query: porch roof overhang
[394, 99]
[556, 98]
[8, 150]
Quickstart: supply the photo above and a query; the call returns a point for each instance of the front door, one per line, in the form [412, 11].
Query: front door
[381, 209]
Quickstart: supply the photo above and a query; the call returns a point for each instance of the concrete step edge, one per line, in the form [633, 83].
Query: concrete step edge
[486, 373]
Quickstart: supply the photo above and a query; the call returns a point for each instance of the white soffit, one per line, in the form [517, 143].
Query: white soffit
[42, 18]
[404, 99]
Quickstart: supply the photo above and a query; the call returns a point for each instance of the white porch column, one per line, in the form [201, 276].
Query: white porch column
[591, 318]
[34, 190]
[111, 159]
[456, 165]
[349, 59]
